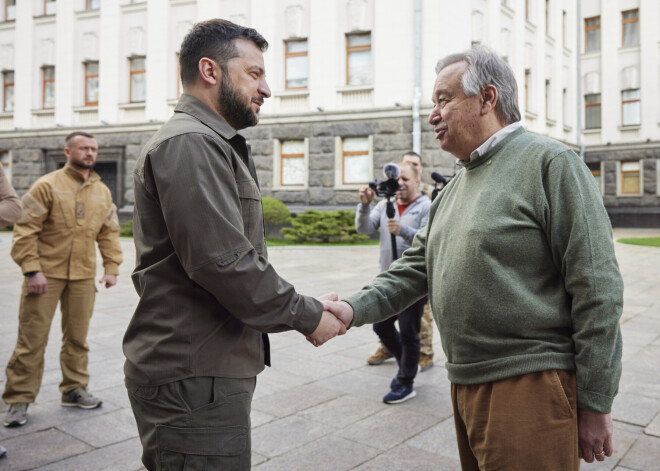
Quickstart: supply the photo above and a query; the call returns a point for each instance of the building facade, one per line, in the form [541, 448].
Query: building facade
[351, 82]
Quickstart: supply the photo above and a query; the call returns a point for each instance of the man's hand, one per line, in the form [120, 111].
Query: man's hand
[341, 310]
[328, 328]
[366, 195]
[594, 435]
[394, 227]
[109, 280]
[37, 284]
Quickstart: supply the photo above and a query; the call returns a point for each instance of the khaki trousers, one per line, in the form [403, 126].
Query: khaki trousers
[426, 332]
[194, 424]
[518, 424]
[26, 365]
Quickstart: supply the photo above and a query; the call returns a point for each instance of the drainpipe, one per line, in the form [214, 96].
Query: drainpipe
[578, 68]
[417, 92]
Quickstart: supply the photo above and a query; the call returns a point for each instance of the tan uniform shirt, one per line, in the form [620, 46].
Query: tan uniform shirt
[62, 217]
[207, 291]
[10, 205]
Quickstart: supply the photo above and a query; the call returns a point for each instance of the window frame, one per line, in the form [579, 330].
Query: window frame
[46, 2]
[625, 102]
[6, 11]
[345, 154]
[44, 81]
[597, 173]
[282, 156]
[528, 80]
[287, 55]
[6, 85]
[592, 28]
[88, 6]
[640, 175]
[590, 105]
[86, 77]
[132, 72]
[625, 21]
[350, 49]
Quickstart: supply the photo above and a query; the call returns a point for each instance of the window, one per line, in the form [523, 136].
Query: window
[594, 168]
[93, 4]
[547, 17]
[528, 81]
[592, 34]
[630, 107]
[564, 106]
[5, 161]
[547, 99]
[592, 111]
[356, 163]
[295, 64]
[630, 28]
[50, 7]
[91, 83]
[527, 12]
[8, 90]
[48, 87]
[137, 91]
[292, 163]
[10, 10]
[630, 178]
[564, 39]
[358, 59]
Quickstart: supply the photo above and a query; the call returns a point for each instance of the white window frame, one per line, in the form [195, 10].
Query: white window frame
[277, 165]
[619, 181]
[339, 164]
[602, 176]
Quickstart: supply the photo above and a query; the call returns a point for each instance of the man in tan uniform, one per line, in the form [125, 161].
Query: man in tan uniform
[64, 212]
[426, 332]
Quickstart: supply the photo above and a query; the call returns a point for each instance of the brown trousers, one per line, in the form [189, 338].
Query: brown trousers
[26, 365]
[518, 424]
[199, 423]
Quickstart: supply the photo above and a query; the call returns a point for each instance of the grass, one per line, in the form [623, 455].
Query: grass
[646, 241]
[285, 242]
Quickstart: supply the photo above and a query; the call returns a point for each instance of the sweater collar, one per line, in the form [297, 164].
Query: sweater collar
[479, 159]
[93, 176]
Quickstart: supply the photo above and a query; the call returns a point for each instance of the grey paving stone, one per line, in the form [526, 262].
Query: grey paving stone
[283, 435]
[271, 381]
[116, 395]
[642, 374]
[103, 430]
[654, 427]
[296, 399]
[389, 427]
[343, 411]
[329, 453]
[439, 439]
[40, 448]
[635, 408]
[124, 456]
[404, 458]
[257, 459]
[644, 455]
[258, 418]
[356, 383]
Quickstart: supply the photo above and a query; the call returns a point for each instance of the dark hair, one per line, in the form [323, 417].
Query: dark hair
[76, 134]
[213, 39]
[414, 154]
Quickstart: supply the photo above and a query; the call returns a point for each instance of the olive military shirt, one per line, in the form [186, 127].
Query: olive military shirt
[207, 291]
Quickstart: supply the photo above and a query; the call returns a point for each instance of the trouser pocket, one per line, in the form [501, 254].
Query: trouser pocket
[201, 449]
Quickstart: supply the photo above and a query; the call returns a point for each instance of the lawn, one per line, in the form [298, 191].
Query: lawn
[646, 241]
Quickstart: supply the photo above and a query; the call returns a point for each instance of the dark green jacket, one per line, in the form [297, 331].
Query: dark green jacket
[207, 291]
[519, 263]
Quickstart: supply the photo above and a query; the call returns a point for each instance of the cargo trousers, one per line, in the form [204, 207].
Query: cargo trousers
[194, 424]
[26, 365]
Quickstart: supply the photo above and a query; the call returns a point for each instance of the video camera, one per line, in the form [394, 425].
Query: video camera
[389, 187]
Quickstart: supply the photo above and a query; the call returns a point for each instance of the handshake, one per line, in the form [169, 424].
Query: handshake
[336, 317]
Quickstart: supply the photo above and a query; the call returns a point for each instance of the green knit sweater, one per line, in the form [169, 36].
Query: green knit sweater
[519, 264]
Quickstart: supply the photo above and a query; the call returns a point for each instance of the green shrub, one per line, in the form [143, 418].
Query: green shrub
[323, 226]
[126, 229]
[275, 212]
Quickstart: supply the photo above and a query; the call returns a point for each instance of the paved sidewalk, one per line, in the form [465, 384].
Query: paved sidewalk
[319, 408]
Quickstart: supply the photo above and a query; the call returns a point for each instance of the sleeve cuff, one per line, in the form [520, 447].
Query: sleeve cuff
[30, 266]
[589, 400]
[310, 317]
[111, 269]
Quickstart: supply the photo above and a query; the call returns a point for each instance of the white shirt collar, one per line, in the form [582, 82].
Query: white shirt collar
[493, 140]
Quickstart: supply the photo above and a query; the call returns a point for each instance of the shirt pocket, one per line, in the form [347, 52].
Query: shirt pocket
[251, 211]
[64, 209]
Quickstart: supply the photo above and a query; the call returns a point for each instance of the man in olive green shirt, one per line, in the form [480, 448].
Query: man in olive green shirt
[208, 295]
[518, 260]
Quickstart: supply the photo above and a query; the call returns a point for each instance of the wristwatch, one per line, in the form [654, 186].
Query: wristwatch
[30, 274]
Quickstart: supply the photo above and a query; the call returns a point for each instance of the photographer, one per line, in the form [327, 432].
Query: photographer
[411, 215]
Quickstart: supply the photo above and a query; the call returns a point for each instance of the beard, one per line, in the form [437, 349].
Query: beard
[83, 165]
[233, 108]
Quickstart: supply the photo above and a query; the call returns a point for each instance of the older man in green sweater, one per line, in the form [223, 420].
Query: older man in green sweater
[518, 260]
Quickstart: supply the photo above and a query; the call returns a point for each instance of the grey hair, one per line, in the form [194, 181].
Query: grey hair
[487, 68]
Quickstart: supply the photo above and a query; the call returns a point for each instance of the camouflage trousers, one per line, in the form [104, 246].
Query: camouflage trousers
[426, 332]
